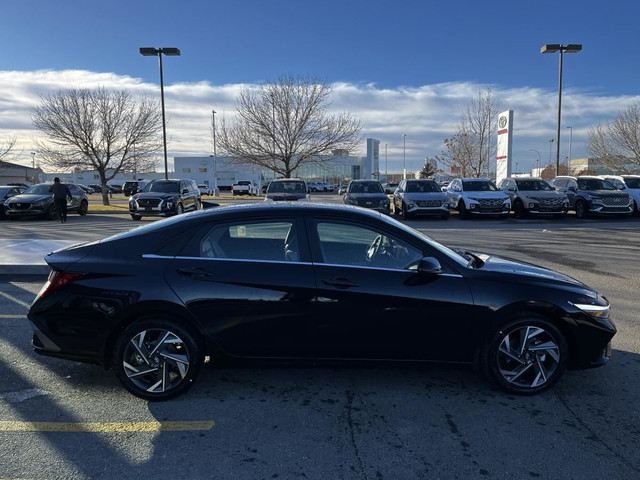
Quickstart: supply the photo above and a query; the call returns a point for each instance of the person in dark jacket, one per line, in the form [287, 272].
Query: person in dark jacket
[60, 194]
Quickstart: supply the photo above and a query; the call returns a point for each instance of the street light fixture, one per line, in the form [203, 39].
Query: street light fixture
[404, 157]
[553, 48]
[152, 52]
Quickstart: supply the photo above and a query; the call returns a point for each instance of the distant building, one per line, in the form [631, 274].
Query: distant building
[14, 173]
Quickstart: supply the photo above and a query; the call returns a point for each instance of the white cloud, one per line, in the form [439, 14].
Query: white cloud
[426, 114]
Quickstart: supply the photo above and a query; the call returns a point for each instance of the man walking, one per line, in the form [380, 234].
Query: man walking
[60, 194]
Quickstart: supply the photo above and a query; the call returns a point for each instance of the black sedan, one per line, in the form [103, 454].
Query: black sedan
[308, 281]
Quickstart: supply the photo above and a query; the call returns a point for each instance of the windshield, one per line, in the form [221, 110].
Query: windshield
[594, 184]
[40, 189]
[365, 187]
[479, 186]
[450, 254]
[162, 186]
[632, 182]
[422, 186]
[533, 185]
[287, 187]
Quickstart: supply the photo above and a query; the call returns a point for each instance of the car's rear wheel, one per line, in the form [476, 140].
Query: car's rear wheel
[581, 209]
[156, 359]
[526, 355]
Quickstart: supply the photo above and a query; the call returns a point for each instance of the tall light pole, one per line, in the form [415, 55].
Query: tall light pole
[404, 157]
[553, 48]
[33, 159]
[570, 141]
[538, 161]
[386, 164]
[550, 147]
[215, 153]
[152, 52]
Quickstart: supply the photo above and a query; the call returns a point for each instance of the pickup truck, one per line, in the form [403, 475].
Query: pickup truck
[244, 187]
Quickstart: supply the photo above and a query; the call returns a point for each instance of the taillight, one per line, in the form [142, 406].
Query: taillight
[58, 280]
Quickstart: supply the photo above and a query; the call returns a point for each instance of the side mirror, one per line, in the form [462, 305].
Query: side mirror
[430, 265]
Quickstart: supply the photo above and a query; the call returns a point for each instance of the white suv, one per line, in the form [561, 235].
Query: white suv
[477, 196]
[628, 183]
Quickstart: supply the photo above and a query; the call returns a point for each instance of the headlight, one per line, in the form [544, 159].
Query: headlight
[597, 311]
[169, 205]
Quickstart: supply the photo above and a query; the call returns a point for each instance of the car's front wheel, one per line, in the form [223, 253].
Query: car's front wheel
[156, 359]
[526, 356]
[581, 209]
[518, 210]
[84, 208]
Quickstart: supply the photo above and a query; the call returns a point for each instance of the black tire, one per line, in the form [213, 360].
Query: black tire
[526, 355]
[156, 359]
[404, 213]
[581, 209]
[51, 213]
[179, 209]
[84, 208]
[462, 210]
[518, 210]
[136, 217]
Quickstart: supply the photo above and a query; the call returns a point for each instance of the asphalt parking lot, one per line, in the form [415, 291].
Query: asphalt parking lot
[62, 419]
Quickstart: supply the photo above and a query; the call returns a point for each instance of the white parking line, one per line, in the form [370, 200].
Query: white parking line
[16, 300]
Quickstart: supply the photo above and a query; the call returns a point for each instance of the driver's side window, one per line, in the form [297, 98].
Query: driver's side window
[355, 245]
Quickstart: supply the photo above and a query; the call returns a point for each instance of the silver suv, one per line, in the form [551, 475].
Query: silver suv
[420, 197]
[534, 196]
[477, 196]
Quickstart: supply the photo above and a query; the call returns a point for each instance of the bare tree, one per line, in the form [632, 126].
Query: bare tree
[6, 146]
[283, 125]
[469, 149]
[617, 144]
[109, 132]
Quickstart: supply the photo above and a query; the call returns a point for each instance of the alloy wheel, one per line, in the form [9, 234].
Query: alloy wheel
[528, 357]
[156, 361]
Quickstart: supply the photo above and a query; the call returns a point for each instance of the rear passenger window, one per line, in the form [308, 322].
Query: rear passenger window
[263, 240]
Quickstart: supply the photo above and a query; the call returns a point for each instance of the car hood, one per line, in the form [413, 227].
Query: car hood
[368, 196]
[284, 196]
[606, 194]
[29, 198]
[473, 194]
[509, 266]
[425, 196]
[162, 195]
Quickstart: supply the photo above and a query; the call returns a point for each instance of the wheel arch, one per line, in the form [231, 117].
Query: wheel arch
[148, 310]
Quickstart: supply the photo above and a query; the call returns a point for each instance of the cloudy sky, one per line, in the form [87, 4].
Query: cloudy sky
[401, 67]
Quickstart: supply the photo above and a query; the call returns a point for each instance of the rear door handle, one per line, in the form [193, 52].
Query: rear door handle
[195, 272]
[340, 282]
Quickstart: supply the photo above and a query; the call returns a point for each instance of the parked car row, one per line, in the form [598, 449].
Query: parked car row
[525, 196]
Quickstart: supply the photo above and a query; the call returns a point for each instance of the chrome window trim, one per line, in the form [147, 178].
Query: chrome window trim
[333, 265]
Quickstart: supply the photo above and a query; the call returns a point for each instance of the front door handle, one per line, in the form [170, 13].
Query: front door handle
[195, 272]
[340, 282]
